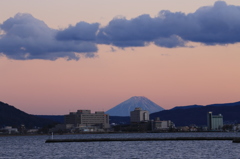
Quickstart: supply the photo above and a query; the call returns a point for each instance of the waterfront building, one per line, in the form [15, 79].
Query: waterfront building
[9, 130]
[236, 127]
[214, 122]
[162, 125]
[86, 119]
[139, 115]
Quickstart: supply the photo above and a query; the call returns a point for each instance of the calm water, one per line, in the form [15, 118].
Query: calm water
[34, 147]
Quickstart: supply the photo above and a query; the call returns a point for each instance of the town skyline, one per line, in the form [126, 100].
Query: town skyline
[171, 70]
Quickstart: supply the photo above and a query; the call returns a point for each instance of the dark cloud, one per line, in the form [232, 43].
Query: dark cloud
[170, 42]
[24, 37]
[81, 32]
[218, 24]
[123, 33]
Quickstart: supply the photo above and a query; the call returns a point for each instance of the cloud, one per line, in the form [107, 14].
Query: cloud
[81, 32]
[170, 42]
[218, 24]
[26, 37]
[128, 33]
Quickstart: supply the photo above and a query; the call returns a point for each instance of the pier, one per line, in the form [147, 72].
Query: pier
[233, 139]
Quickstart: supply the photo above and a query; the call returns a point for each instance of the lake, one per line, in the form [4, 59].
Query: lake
[35, 147]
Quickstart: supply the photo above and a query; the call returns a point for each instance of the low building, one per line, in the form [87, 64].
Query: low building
[139, 115]
[214, 122]
[162, 125]
[236, 127]
[9, 130]
[183, 128]
[32, 131]
[85, 119]
[61, 128]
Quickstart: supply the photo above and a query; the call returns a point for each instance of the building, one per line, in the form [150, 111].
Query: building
[62, 128]
[9, 130]
[139, 115]
[86, 119]
[162, 125]
[214, 122]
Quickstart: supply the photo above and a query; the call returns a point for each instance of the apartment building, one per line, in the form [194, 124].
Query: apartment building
[84, 118]
[139, 115]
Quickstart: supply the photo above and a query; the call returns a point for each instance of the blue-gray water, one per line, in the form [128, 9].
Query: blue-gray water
[34, 147]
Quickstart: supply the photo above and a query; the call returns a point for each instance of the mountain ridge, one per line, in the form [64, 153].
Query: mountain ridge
[11, 116]
[198, 115]
[214, 105]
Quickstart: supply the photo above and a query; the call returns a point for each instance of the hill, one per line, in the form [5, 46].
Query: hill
[181, 116]
[198, 115]
[124, 108]
[216, 105]
[11, 116]
[187, 107]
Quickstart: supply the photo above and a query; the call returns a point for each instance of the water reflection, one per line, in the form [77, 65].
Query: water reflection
[34, 147]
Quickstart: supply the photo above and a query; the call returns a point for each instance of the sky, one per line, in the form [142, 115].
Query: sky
[62, 56]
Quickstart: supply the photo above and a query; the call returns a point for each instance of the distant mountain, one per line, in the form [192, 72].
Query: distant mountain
[187, 107]
[225, 104]
[215, 105]
[11, 116]
[124, 108]
[198, 115]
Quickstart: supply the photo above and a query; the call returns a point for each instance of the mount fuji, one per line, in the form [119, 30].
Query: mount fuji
[124, 108]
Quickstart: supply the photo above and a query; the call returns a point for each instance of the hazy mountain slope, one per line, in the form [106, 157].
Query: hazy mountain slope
[124, 108]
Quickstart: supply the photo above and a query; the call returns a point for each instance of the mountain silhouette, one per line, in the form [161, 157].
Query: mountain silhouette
[124, 108]
[11, 116]
[197, 114]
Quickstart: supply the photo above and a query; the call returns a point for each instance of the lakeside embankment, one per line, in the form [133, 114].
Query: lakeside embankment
[234, 139]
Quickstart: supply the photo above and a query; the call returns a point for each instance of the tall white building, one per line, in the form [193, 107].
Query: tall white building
[215, 122]
[139, 115]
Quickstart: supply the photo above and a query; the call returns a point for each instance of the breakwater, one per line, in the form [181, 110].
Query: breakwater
[234, 139]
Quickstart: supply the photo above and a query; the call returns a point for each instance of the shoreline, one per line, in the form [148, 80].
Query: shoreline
[233, 139]
[9, 135]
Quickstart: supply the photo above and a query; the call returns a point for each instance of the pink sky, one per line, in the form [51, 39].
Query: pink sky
[168, 76]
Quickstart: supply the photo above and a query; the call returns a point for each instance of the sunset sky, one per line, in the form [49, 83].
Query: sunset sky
[58, 56]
